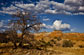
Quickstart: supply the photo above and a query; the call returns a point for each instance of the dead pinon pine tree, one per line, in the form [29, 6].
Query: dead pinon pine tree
[25, 23]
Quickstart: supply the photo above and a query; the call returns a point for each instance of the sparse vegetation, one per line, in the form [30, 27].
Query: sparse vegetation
[67, 43]
[58, 38]
[81, 46]
[30, 44]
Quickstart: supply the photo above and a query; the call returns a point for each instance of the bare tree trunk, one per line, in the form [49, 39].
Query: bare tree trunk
[15, 45]
[20, 44]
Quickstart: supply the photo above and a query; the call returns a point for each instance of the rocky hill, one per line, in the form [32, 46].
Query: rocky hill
[71, 36]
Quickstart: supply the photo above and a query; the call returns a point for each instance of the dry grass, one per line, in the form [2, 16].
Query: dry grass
[74, 51]
[49, 51]
[77, 38]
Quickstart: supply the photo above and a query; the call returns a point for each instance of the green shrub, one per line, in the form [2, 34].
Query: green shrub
[53, 41]
[58, 38]
[81, 46]
[58, 44]
[67, 43]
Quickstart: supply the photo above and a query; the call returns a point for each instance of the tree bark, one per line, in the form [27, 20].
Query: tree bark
[20, 44]
[15, 46]
[22, 37]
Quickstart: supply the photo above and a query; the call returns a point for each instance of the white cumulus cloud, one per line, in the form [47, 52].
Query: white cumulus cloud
[1, 23]
[73, 2]
[45, 6]
[58, 25]
[46, 19]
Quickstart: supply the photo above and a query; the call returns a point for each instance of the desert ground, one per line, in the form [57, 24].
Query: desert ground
[60, 44]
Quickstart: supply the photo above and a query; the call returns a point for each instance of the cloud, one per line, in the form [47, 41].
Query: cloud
[13, 9]
[73, 2]
[72, 30]
[76, 6]
[69, 7]
[50, 11]
[46, 19]
[58, 25]
[81, 8]
[26, 6]
[1, 23]
[43, 25]
[2, 28]
[9, 10]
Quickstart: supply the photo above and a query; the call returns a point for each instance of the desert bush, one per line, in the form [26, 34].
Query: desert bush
[55, 37]
[44, 44]
[58, 44]
[81, 46]
[58, 38]
[67, 43]
[53, 41]
[3, 38]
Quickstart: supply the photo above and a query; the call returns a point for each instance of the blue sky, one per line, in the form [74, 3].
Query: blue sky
[65, 15]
